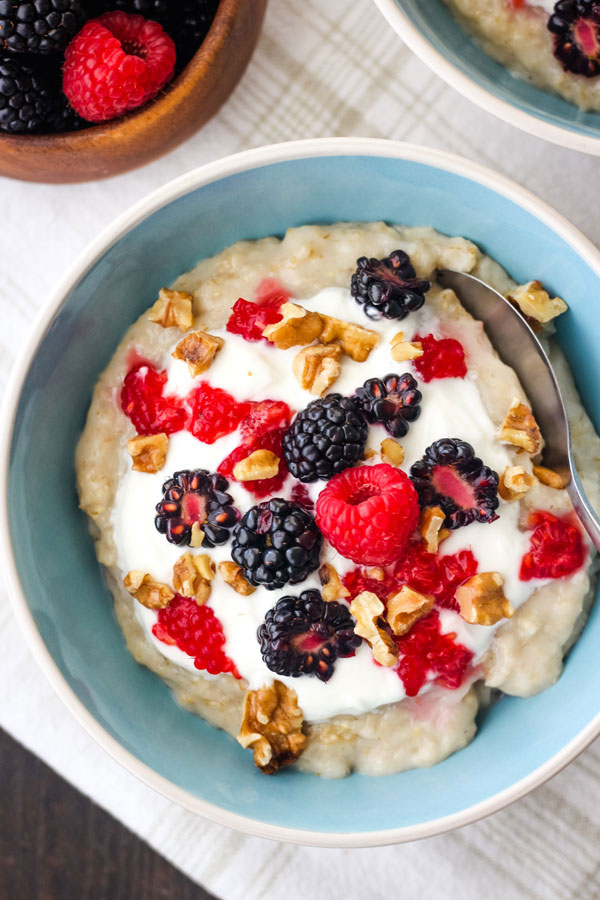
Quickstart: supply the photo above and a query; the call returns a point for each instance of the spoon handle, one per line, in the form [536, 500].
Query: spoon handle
[583, 508]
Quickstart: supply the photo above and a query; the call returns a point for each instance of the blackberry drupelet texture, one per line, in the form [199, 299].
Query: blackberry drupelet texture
[388, 288]
[575, 25]
[276, 543]
[325, 438]
[305, 636]
[393, 401]
[450, 476]
[196, 497]
[39, 26]
[30, 98]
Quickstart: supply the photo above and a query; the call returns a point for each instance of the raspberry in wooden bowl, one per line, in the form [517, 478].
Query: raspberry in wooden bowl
[167, 79]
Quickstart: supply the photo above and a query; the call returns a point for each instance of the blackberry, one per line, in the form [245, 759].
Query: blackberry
[196, 497]
[276, 543]
[393, 401]
[388, 288]
[305, 635]
[575, 25]
[39, 26]
[30, 98]
[325, 438]
[452, 477]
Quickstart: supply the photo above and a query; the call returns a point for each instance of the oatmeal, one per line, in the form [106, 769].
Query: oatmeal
[555, 45]
[329, 547]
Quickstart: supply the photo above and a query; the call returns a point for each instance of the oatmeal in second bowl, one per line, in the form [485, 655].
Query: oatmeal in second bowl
[318, 495]
[533, 63]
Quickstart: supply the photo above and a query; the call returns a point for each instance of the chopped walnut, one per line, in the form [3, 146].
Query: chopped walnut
[430, 525]
[192, 575]
[369, 453]
[367, 609]
[482, 601]
[148, 452]
[298, 326]
[198, 350]
[520, 428]
[514, 483]
[231, 574]
[535, 303]
[404, 350]
[331, 585]
[317, 367]
[150, 593]
[197, 537]
[549, 477]
[260, 464]
[377, 573]
[272, 727]
[173, 309]
[357, 342]
[392, 452]
[405, 608]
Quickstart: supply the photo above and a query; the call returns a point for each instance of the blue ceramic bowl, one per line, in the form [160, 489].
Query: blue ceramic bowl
[56, 583]
[432, 32]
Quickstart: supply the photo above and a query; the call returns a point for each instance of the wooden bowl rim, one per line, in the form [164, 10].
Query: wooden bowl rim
[212, 45]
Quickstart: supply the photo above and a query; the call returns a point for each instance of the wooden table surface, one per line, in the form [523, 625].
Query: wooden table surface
[55, 844]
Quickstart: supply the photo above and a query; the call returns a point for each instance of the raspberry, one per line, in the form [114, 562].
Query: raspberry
[115, 64]
[143, 401]
[197, 631]
[426, 650]
[368, 513]
[556, 548]
[356, 581]
[267, 415]
[250, 319]
[271, 292]
[441, 359]
[214, 413]
[262, 487]
[439, 576]
[305, 635]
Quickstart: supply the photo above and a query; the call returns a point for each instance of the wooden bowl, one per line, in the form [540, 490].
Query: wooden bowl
[186, 104]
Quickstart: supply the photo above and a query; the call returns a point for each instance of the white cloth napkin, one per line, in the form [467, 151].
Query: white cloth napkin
[320, 69]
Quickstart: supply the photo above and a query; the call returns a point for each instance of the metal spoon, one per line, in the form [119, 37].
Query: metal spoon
[518, 347]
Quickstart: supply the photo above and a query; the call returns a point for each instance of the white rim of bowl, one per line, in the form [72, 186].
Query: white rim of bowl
[465, 85]
[200, 177]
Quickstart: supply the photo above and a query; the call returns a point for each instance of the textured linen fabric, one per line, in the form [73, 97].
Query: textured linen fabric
[321, 69]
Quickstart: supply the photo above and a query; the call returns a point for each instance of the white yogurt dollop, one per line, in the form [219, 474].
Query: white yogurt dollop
[451, 407]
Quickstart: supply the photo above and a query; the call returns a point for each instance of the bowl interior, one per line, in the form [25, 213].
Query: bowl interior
[437, 24]
[61, 579]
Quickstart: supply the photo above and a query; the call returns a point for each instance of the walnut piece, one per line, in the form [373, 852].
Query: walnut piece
[549, 477]
[377, 573]
[192, 575]
[357, 342]
[430, 525]
[535, 303]
[405, 608]
[231, 574]
[514, 483]
[148, 452]
[520, 428]
[317, 367]
[392, 452]
[173, 309]
[198, 350]
[150, 593]
[331, 585]
[482, 601]
[369, 453]
[404, 350]
[367, 609]
[260, 464]
[272, 727]
[197, 537]
[298, 326]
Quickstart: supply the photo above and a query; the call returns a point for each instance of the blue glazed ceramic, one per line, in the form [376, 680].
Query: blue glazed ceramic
[57, 587]
[432, 32]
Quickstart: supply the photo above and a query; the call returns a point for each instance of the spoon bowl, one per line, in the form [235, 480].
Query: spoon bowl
[518, 346]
